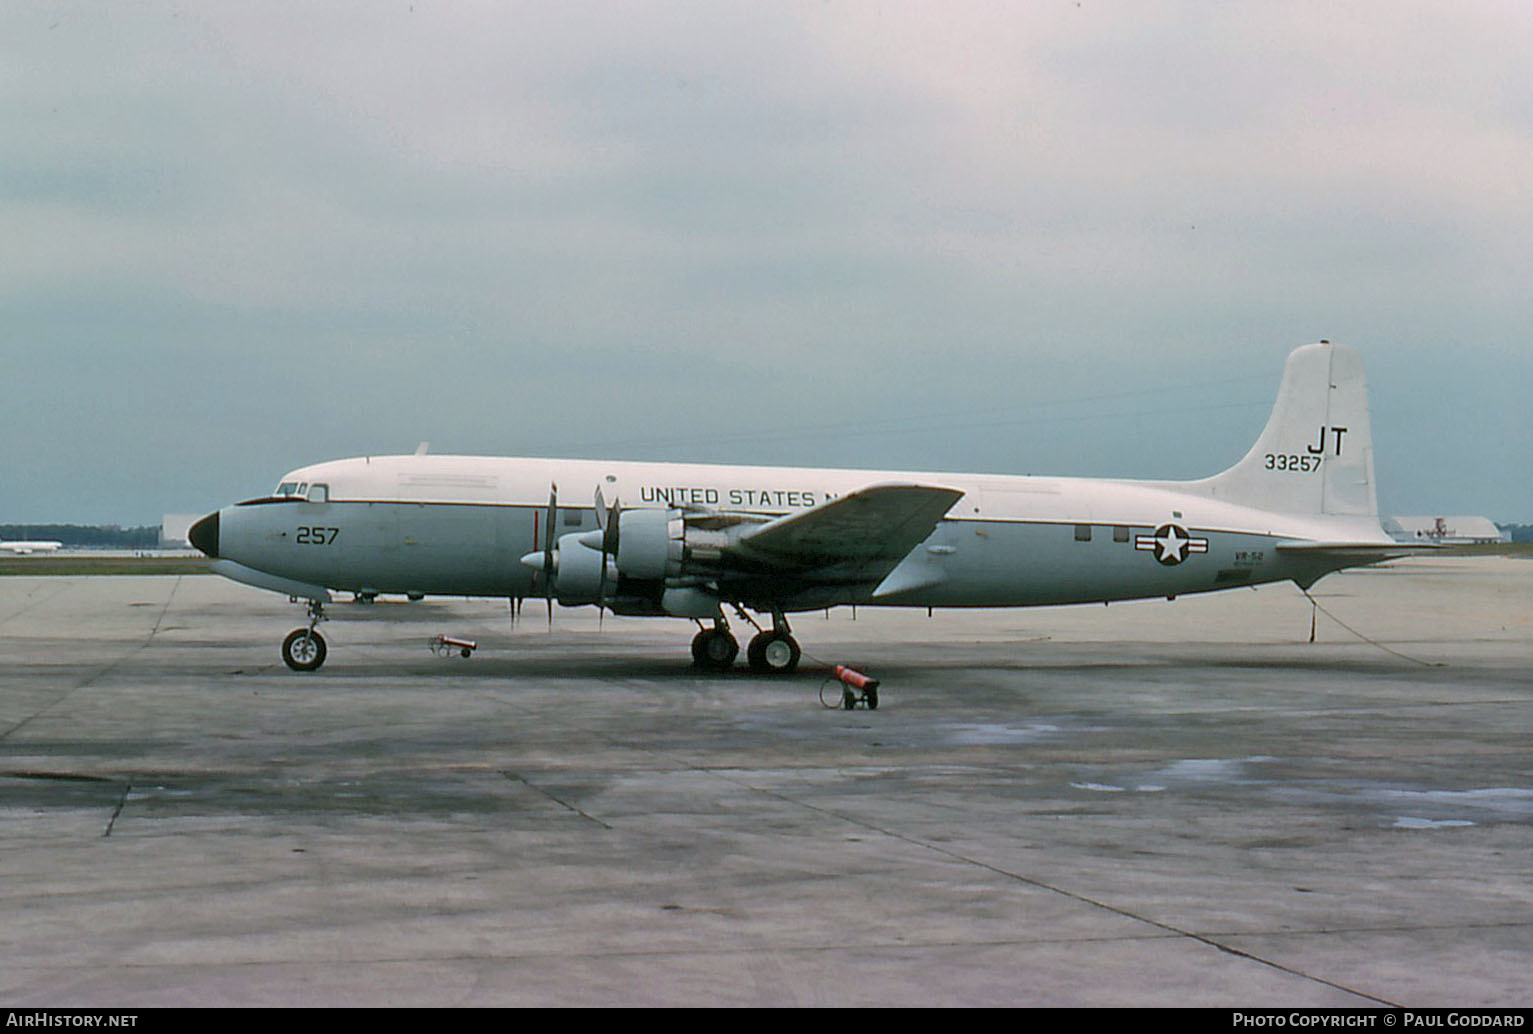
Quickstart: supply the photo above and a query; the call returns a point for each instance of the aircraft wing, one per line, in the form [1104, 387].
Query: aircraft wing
[863, 535]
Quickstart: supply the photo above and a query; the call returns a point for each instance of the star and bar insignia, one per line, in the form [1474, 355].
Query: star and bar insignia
[1171, 544]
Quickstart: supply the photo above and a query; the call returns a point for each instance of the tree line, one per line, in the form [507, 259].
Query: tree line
[109, 536]
[1519, 532]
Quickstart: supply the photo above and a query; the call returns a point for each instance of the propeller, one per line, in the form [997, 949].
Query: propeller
[608, 521]
[550, 532]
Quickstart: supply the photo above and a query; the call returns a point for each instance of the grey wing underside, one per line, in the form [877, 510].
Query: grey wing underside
[851, 541]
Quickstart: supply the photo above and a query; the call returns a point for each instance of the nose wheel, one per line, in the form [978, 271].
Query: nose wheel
[304, 648]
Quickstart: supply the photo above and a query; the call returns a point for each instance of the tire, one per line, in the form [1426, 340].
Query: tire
[772, 653]
[714, 649]
[303, 650]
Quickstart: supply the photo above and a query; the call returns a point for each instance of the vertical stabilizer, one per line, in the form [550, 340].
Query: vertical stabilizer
[1315, 456]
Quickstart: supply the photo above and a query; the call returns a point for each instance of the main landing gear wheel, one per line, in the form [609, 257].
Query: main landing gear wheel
[303, 649]
[773, 653]
[714, 649]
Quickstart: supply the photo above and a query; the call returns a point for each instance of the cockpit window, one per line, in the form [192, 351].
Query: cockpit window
[319, 493]
[287, 488]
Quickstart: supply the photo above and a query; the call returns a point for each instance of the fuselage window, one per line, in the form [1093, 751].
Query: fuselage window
[1120, 534]
[573, 518]
[1083, 533]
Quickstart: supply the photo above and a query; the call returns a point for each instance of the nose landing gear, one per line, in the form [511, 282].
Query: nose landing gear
[304, 648]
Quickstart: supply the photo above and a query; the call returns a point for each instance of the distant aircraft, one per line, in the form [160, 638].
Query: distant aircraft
[690, 541]
[22, 547]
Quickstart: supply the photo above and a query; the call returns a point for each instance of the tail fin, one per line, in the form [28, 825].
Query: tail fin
[1315, 456]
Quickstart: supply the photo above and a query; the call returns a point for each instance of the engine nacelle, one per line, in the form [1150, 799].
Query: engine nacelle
[578, 577]
[660, 544]
[651, 544]
[660, 556]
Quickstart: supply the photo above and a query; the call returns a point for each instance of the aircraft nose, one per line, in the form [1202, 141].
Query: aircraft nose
[204, 534]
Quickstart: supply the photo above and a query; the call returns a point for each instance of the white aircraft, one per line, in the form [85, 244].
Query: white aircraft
[689, 540]
[23, 547]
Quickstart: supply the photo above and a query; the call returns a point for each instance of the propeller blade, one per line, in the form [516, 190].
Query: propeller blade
[611, 530]
[550, 538]
[610, 521]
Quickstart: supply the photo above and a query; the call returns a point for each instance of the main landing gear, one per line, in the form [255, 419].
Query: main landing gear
[304, 648]
[771, 652]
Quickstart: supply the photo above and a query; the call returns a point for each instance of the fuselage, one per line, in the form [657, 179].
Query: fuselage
[459, 525]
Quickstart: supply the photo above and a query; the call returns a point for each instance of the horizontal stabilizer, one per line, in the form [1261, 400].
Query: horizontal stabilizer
[1313, 560]
[1336, 555]
[1383, 548]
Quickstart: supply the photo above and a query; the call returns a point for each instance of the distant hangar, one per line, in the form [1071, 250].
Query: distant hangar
[1445, 530]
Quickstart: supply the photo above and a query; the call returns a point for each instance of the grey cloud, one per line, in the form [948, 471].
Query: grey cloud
[256, 236]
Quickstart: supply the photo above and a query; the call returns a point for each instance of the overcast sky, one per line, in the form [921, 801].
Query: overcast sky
[1030, 237]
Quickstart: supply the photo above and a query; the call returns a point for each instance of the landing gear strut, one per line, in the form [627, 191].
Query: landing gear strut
[304, 648]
